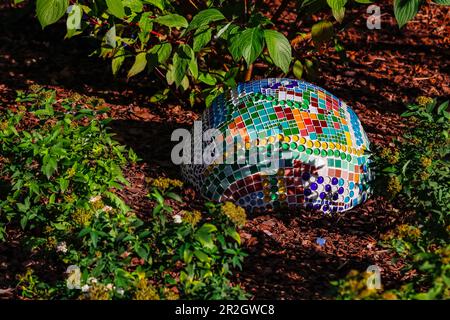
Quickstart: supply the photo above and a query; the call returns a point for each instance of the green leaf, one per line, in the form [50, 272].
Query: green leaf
[50, 166]
[110, 37]
[139, 64]
[364, 1]
[203, 257]
[207, 78]
[201, 38]
[322, 31]
[146, 25]
[181, 60]
[116, 8]
[162, 50]
[248, 44]
[50, 11]
[442, 2]
[337, 8]
[134, 5]
[160, 4]
[204, 17]
[172, 21]
[74, 19]
[117, 60]
[298, 69]
[279, 49]
[405, 10]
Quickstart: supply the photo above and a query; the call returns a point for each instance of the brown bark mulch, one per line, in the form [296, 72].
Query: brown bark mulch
[386, 68]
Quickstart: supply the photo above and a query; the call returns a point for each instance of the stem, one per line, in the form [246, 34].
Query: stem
[248, 74]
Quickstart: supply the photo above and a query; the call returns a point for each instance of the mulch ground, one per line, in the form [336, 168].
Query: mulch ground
[386, 68]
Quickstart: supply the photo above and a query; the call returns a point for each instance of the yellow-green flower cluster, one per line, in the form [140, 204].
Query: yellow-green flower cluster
[391, 156]
[426, 162]
[3, 125]
[146, 291]
[163, 183]
[355, 286]
[98, 291]
[394, 186]
[82, 217]
[35, 87]
[192, 217]
[408, 231]
[171, 295]
[423, 101]
[235, 213]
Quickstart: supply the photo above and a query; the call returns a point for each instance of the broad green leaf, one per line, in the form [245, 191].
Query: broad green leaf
[172, 21]
[279, 49]
[139, 64]
[249, 44]
[364, 1]
[50, 11]
[337, 8]
[201, 38]
[405, 10]
[162, 50]
[298, 69]
[116, 8]
[204, 18]
[74, 19]
[322, 31]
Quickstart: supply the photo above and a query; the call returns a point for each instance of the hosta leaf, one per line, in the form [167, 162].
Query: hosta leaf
[50, 11]
[139, 64]
[204, 18]
[405, 10]
[172, 21]
[116, 8]
[279, 49]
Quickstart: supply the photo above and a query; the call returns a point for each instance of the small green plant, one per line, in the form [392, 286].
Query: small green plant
[59, 173]
[415, 174]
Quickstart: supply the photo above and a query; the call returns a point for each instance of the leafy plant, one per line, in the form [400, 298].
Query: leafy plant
[59, 173]
[201, 47]
[415, 174]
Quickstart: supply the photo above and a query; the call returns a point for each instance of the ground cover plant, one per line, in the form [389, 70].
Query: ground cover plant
[58, 190]
[91, 206]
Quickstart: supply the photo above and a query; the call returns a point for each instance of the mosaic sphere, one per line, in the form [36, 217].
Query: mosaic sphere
[281, 143]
